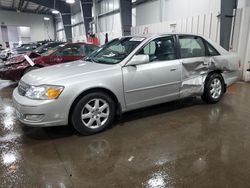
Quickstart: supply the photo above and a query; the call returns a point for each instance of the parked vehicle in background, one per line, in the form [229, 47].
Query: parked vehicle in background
[4, 54]
[14, 70]
[126, 74]
[46, 47]
[24, 48]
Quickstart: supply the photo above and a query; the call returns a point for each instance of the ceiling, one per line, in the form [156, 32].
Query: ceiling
[23, 6]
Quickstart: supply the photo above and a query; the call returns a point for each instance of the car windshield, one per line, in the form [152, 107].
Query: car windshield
[41, 48]
[46, 47]
[52, 50]
[116, 50]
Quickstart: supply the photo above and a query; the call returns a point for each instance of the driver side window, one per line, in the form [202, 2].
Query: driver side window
[160, 49]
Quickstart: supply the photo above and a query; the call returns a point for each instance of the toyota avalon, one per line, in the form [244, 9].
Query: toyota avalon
[126, 74]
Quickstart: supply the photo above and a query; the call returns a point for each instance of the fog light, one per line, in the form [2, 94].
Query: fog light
[34, 117]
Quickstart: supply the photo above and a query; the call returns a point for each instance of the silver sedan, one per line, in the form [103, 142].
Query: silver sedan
[125, 74]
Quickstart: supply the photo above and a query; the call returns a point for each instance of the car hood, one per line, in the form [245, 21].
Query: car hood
[62, 73]
[20, 58]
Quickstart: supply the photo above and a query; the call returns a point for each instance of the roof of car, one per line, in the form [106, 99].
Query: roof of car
[161, 34]
[79, 43]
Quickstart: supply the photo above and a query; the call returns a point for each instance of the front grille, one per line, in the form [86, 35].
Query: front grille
[22, 88]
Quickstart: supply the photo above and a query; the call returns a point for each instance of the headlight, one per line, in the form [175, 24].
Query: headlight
[43, 92]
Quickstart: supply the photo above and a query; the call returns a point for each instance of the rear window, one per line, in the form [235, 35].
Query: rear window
[191, 46]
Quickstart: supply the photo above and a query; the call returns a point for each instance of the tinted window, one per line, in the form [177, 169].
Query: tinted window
[75, 50]
[211, 50]
[160, 49]
[89, 49]
[191, 46]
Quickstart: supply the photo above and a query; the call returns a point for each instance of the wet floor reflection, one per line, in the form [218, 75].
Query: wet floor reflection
[178, 144]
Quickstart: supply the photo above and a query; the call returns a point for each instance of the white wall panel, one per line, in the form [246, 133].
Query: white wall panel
[207, 25]
[109, 23]
[201, 25]
[149, 12]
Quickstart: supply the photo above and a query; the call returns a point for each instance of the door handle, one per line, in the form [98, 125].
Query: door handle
[172, 70]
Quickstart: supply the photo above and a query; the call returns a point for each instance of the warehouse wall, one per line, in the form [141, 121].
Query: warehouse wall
[110, 24]
[166, 10]
[39, 29]
[243, 3]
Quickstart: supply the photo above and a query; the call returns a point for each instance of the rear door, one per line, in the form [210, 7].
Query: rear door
[193, 55]
[195, 64]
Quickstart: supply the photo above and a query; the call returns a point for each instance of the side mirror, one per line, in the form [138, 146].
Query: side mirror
[139, 59]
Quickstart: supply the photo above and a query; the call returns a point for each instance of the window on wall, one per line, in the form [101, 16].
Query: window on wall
[160, 49]
[191, 46]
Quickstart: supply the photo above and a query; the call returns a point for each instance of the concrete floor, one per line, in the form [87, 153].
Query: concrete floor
[179, 144]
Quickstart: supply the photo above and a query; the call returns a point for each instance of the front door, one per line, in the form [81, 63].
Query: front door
[157, 81]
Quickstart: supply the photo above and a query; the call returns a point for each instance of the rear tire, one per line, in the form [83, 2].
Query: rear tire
[93, 113]
[214, 88]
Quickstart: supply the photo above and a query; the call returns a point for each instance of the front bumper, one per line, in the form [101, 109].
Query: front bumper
[51, 112]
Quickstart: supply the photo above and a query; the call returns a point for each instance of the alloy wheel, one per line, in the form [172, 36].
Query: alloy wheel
[215, 88]
[95, 113]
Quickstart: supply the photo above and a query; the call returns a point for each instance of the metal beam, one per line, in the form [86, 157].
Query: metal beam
[42, 9]
[67, 26]
[109, 13]
[13, 3]
[38, 8]
[14, 10]
[26, 5]
[20, 5]
[139, 2]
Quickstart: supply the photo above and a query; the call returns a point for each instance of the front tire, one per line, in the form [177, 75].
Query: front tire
[214, 88]
[93, 113]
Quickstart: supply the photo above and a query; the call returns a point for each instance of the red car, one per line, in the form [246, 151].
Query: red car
[15, 68]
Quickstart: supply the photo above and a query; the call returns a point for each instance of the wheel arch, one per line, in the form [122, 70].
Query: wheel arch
[96, 89]
[218, 72]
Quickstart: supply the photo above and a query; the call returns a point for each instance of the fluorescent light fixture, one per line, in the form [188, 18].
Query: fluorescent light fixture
[55, 12]
[46, 18]
[70, 1]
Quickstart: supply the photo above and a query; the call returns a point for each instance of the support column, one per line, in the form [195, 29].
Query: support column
[66, 19]
[226, 17]
[87, 14]
[126, 16]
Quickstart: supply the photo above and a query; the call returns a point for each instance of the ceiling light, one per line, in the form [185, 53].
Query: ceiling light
[55, 12]
[46, 18]
[70, 1]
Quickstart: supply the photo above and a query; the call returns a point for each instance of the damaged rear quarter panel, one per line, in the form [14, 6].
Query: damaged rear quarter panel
[195, 71]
